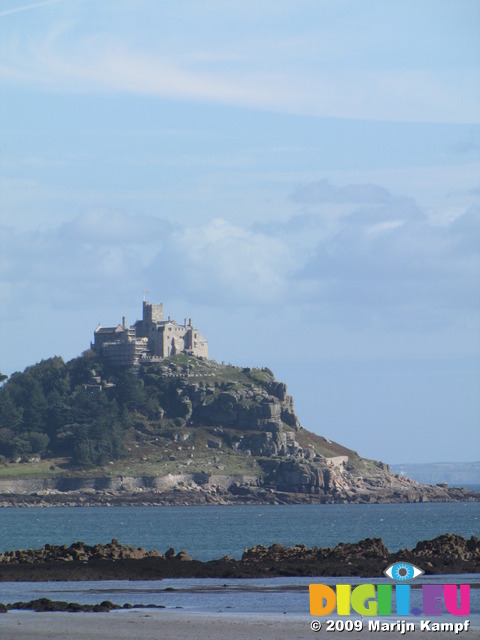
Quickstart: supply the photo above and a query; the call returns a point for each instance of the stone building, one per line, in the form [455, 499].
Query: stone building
[149, 338]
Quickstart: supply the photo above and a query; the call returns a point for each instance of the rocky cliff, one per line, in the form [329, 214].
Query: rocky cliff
[193, 431]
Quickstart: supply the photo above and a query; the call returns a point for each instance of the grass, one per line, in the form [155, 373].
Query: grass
[194, 367]
[46, 468]
[149, 458]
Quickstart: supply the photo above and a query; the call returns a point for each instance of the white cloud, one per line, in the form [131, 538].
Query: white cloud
[384, 227]
[384, 264]
[97, 256]
[257, 72]
[397, 273]
[224, 263]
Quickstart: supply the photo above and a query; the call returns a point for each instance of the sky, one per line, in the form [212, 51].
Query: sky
[300, 178]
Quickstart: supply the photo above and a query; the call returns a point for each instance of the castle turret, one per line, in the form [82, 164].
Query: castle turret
[152, 312]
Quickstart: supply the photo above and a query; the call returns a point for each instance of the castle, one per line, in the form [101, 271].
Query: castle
[151, 338]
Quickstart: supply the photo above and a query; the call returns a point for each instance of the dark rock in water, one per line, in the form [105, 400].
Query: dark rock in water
[366, 549]
[77, 552]
[448, 553]
[41, 604]
[106, 605]
[449, 545]
[45, 604]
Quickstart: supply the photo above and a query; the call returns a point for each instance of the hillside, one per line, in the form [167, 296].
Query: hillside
[179, 429]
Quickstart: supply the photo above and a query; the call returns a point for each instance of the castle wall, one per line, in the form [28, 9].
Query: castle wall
[151, 336]
[106, 334]
[125, 351]
[200, 345]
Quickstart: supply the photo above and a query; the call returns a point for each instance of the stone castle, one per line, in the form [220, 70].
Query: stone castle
[151, 338]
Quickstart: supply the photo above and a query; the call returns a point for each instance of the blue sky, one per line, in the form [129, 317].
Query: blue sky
[301, 178]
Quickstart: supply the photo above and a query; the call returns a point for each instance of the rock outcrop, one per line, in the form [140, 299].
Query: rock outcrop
[448, 553]
[77, 552]
[45, 604]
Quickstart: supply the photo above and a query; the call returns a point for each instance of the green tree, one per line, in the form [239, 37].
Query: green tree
[130, 392]
[10, 414]
[38, 442]
[34, 405]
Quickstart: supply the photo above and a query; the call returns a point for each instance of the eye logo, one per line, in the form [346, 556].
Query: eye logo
[403, 572]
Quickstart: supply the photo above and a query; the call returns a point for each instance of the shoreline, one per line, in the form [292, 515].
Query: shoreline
[171, 625]
[424, 494]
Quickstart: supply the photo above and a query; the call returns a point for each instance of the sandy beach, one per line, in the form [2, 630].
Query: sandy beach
[172, 625]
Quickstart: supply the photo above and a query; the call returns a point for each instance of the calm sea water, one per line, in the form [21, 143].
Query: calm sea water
[214, 531]
[211, 532]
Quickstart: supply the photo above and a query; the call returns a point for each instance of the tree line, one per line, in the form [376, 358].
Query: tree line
[53, 409]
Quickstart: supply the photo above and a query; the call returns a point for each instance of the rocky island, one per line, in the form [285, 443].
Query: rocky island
[143, 420]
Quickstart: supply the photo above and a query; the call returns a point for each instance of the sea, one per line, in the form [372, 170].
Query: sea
[210, 532]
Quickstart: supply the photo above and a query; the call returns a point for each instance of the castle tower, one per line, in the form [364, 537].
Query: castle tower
[152, 312]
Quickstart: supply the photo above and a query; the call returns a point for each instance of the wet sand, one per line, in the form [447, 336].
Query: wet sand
[172, 625]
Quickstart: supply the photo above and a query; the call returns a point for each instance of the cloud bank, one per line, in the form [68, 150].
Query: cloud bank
[383, 262]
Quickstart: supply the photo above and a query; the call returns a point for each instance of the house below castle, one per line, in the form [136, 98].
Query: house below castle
[149, 338]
